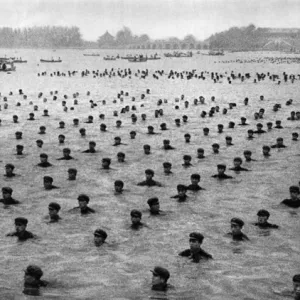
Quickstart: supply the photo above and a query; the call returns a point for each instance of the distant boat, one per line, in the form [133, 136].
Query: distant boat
[20, 61]
[50, 61]
[216, 53]
[153, 58]
[177, 54]
[138, 59]
[91, 54]
[109, 58]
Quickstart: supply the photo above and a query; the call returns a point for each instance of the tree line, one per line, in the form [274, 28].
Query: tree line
[40, 37]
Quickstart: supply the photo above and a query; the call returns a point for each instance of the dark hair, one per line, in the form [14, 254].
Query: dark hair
[195, 176]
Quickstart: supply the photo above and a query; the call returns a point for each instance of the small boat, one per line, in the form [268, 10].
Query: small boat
[138, 59]
[109, 58]
[127, 57]
[91, 54]
[6, 66]
[216, 53]
[153, 58]
[50, 61]
[20, 61]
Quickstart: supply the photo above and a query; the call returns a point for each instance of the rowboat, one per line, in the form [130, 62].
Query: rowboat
[20, 61]
[138, 59]
[92, 54]
[50, 61]
[109, 58]
[6, 66]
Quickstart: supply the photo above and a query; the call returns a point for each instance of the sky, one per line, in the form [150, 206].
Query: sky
[157, 18]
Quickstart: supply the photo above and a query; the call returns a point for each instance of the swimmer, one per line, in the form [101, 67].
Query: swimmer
[163, 126]
[72, 173]
[187, 161]
[15, 119]
[243, 122]
[259, 130]
[215, 148]
[187, 138]
[75, 122]
[181, 193]
[118, 141]
[44, 161]
[7, 197]
[236, 230]
[160, 278]
[262, 222]
[269, 126]
[228, 140]
[221, 172]
[61, 125]
[247, 155]
[231, 124]
[194, 186]
[18, 135]
[83, 201]
[91, 149]
[119, 187]
[278, 124]
[279, 143]
[250, 134]
[53, 210]
[149, 179]
[82, 132]
[266, 151]
[294, 201]
[90, 120]
[46, 113]
[167, 168]
[195, 253]
[147, 149]
[206, 131]
[61, 139]
[136, 217]
[39, 143]
[19, 149]
[21, 232]
[200, 153]
[99, 237]
[237, 161]
[295, 136]
[166, 145]
[32, 280]
[42, 130]
[48, 180]
[121, 157]
[31, 117]
[106, 163]
[151, 130]
[154, 207]
[132, 134]
[66, 154]
[9, 171]
[220, 128]
[118, 123]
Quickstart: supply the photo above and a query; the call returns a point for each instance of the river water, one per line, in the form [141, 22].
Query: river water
[121, 269]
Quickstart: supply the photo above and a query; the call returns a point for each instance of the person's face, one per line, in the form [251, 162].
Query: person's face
[156, 279]
[298, 116]
[47, 185]
[42, 130]
[98, 240]
[261, 113]
[200, 154]
[221, 170]
[295, 137]
[215, 149]
[279, 142]
[296, 286]
[266, 151]
[118, 124]
[39, 144]
[117, 141]
[61, 125]
[150, 130]
[8, 170]
[205, 132]
[256, 116]
[247, 156]
[294, 195]
[181, 192]
[82, 133]
[118, 188]
[44, 159]
[135, 220]
[259, 127]
[6, 195]
[236, 163]
[250, 134]
[149, 176]
[262, 219]
[52, 212]
[228, 142]
[147, 150]
[82, 204]
[235, 228]
[61, 139]
[187, 161]
[187, 139]
[155, 208]
[194, 244]
[66, 153]
[132, 136]
[20, 227]
[195, 181]
[105, 164]
[121, 158]
[167, 169]
[220, 129]
[72, 175]
[18, 136]
[75, 122]
[92, 146]
[15, 119]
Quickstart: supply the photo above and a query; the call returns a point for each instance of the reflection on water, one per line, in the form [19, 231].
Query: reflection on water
[121, 270]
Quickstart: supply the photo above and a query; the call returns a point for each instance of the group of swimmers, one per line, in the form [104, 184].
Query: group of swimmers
[161, 275]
